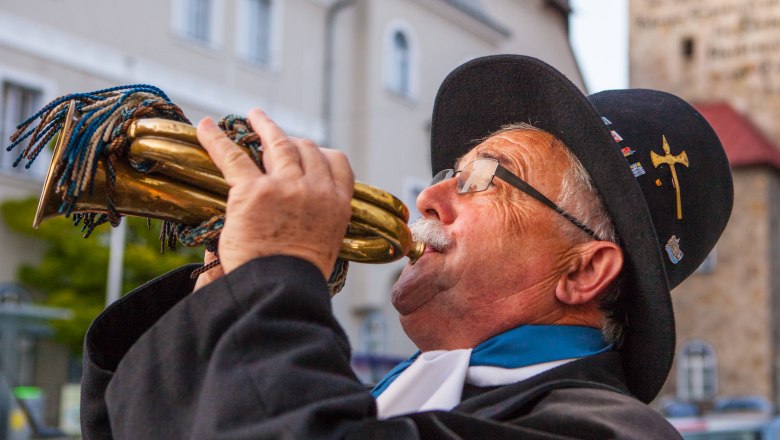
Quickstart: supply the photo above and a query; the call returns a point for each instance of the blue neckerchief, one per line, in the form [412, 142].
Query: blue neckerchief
[523, 346]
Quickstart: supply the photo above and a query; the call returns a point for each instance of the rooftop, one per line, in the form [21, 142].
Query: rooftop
[744, 143]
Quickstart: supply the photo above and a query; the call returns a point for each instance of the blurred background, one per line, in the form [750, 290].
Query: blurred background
[361, 76]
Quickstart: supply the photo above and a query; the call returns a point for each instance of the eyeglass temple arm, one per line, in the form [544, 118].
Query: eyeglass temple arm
[507, 176]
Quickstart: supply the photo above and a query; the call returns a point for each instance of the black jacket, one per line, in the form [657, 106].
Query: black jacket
[258, 354]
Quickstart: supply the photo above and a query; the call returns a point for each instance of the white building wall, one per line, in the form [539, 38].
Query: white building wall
[80, 45]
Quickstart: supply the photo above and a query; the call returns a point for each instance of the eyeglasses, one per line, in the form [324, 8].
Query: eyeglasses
[477, 175]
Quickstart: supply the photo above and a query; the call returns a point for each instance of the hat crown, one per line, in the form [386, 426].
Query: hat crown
[681, 168]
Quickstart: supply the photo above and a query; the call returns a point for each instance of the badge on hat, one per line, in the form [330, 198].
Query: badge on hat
[673, 249]
[637, 169]
[671, 160]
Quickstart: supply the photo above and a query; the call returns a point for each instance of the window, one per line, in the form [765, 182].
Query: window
[697, 374]
[18, 103]
[400, 60]
[369, 361]
[688, 48]
[399, 77]
[259, 31]
[413, 186]
[198, 20]
[373, 333]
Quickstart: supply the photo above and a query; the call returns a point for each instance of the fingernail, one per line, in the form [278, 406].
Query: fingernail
[207, 122]
[257, 112]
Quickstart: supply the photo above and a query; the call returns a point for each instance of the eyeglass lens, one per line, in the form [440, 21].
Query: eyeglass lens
[476, 175]
[442, 175]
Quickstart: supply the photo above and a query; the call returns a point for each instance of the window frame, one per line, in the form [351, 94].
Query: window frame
[706, 370]
[243, 35]
[46, 92]
[180, 25]
[391, 82]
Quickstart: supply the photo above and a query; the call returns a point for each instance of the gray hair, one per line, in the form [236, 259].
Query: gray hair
[578, 197]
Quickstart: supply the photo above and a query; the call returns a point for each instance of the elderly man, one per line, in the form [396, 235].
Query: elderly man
[555, 227]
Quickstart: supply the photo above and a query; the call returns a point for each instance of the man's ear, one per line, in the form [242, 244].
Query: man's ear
[593, 267]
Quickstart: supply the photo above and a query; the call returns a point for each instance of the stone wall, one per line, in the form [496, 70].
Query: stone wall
[731, 307]
[774, 272]
[710, 50]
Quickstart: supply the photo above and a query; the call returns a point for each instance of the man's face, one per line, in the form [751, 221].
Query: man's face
[507, 251]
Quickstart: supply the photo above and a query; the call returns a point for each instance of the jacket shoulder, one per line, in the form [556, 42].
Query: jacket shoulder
[598, 413]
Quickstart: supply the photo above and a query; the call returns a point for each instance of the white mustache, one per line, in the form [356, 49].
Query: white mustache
[430, 232]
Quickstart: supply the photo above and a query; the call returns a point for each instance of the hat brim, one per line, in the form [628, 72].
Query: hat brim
[485, 94]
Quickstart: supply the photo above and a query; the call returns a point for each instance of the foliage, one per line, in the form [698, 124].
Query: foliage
[73, 271]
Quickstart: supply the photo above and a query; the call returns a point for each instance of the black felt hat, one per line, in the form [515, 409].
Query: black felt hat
[641, 147]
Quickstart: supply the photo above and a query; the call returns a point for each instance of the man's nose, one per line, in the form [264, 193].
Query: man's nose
[436, 201]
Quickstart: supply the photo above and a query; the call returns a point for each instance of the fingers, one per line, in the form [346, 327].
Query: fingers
[340, 169]
[313, 161]
[280, 154]
[235, 165]
[284, 156]
[294, 157]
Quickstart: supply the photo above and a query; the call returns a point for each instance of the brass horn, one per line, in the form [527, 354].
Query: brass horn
[183, 185]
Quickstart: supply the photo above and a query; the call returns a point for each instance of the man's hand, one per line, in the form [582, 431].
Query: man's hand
[301, 207]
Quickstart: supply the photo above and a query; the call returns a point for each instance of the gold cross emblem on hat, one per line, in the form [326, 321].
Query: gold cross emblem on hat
[671, 160]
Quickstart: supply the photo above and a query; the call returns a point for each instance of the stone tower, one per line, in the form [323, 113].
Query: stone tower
[724, 56]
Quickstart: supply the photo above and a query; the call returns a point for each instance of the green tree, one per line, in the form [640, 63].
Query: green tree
[73, 271]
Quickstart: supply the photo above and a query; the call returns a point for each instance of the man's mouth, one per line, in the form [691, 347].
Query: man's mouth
[430, 249]
[431, 232]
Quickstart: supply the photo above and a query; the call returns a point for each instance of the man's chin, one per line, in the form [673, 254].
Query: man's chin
[401, 300]
[411, 291]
